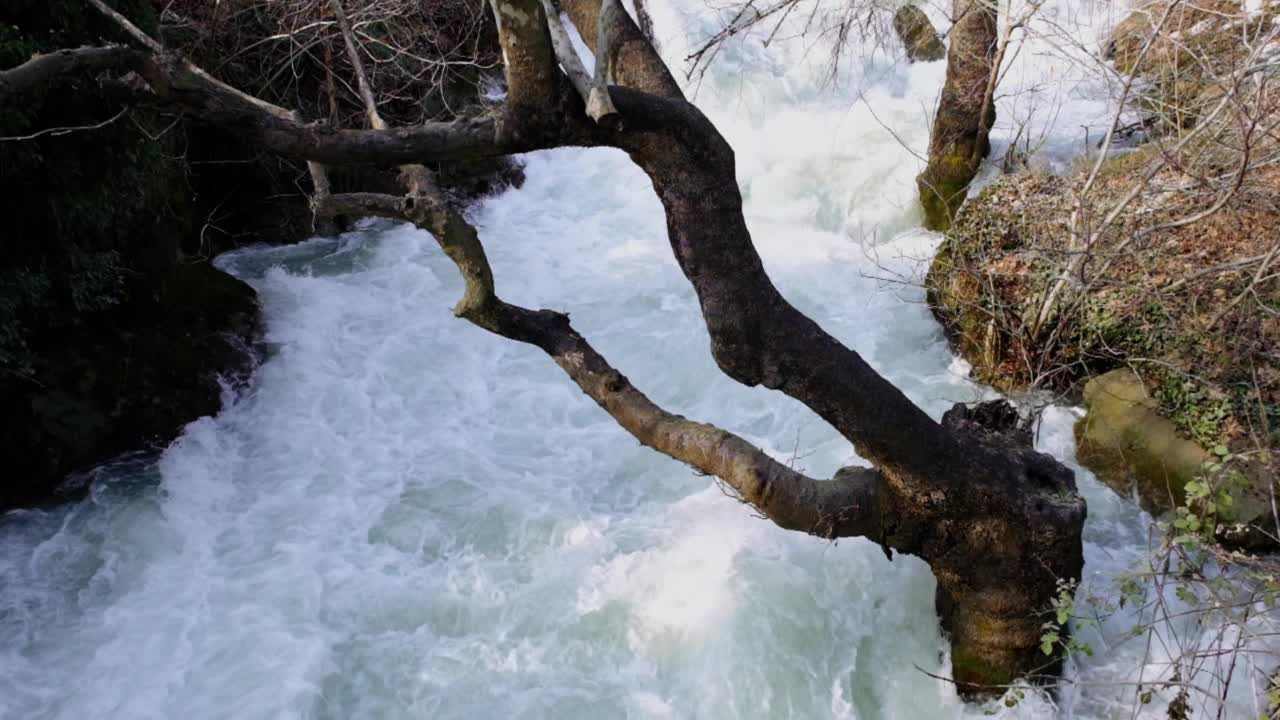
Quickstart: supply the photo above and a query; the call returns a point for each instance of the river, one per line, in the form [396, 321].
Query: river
[403, 516]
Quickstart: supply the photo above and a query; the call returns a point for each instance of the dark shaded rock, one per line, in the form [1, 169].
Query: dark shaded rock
[133, 377]
[113, 328]
[991, 419]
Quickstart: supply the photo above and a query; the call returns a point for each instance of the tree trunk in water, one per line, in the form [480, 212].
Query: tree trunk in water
[965, 114]
[994, 594]
[999, 524]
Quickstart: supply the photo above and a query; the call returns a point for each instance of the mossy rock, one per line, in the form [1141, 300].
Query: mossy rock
[1206, 388]
[921, 40]
[1192, 36]
[977, 260]
[131, 379]
[1185, 59]
[1130, 446]
[1208, 366]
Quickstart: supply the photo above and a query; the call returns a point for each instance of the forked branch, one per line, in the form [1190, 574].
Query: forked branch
[851, 505]
[630, 59]
[999, 523]
[594, 91]
[840, 508]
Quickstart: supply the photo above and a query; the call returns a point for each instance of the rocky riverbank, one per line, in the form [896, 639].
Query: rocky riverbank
[115, 330]
[1147, 288]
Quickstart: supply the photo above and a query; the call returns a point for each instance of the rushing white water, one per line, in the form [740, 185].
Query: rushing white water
[404, 516]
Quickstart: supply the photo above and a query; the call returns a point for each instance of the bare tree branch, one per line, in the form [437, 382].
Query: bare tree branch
[849, 506]
[598, 103]
[630, 57]
[840, 508]
[998, 522]
[134, 31]
[58, 131]
[177, 82]
[362, 78]
[43, 70]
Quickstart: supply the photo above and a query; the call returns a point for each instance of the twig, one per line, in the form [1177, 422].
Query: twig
[60, 131]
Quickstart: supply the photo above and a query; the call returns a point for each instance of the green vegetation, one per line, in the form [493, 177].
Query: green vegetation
[110, 331]
[943, 192]
[1206, 366]
[84, 198]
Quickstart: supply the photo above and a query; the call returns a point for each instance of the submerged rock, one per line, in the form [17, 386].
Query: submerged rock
[918, 35]
[1130, 446]
[114, 329]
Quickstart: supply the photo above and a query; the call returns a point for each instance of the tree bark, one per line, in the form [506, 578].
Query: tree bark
[43, 70]
[631, 57]
[999, 523]
[965, 113]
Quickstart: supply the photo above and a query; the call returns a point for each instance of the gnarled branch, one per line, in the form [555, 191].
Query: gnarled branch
[533, 88]
[999, 523]
[44, 70]
[851, 505]
[840, 508]
[757, 337]
[176, 84]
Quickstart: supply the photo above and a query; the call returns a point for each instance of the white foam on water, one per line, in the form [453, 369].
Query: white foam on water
[405, 516]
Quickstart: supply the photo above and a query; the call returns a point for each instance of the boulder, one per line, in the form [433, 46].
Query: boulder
[918, 35]
[1185, 53]
[1134, 449]
[130, 379]
[1130, 446]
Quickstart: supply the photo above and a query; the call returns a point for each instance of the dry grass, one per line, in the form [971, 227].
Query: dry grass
[1167, 305]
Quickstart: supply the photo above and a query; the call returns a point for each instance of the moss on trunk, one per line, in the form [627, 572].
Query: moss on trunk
[964, 117]
[918, 36]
